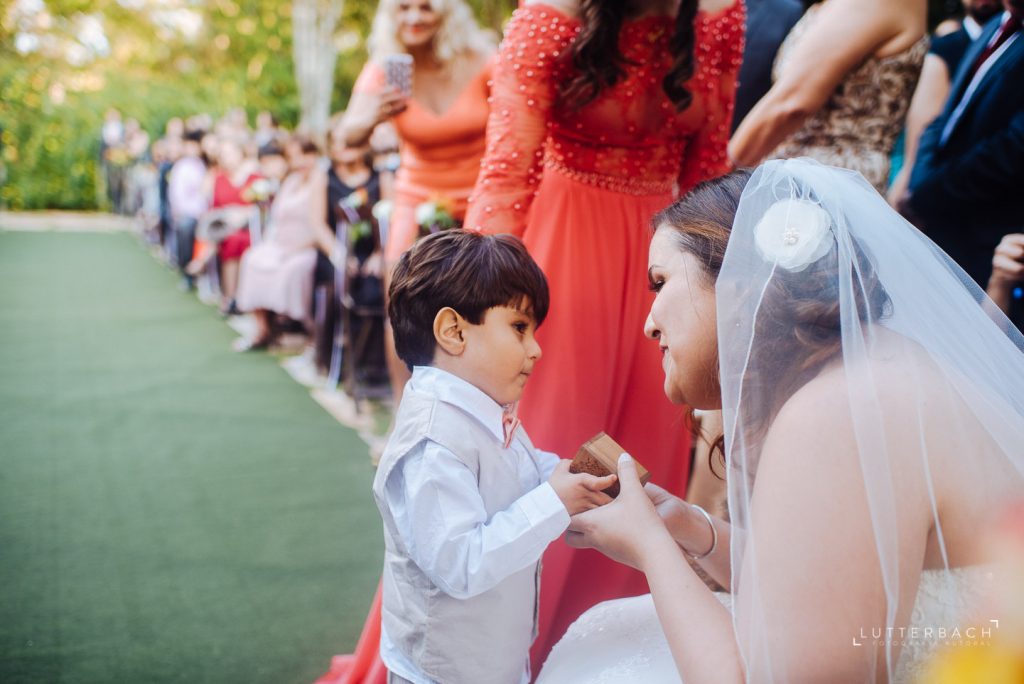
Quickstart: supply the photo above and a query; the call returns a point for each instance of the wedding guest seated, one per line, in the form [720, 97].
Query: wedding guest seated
[273, 166]
[276, 276]
[230, 197]
[469, 504]
[352, 181]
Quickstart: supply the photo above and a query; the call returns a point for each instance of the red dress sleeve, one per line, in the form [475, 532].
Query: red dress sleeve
[719, 52]
[523, 92]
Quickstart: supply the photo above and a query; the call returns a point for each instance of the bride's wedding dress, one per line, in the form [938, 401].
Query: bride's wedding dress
[621, 642]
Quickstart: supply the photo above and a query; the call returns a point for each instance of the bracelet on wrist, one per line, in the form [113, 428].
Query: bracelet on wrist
[714, 535]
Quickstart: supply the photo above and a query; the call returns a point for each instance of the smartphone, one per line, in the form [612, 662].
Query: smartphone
[398, 73]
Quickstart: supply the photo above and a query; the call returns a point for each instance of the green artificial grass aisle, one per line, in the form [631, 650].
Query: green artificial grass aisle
[170, 511]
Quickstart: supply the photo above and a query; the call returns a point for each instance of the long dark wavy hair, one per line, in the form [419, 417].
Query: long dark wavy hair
[598, 63]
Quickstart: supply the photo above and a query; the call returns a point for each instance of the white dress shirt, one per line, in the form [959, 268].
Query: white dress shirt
[972, 27]
[436, 504]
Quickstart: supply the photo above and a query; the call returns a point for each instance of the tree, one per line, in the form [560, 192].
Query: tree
[315, 52]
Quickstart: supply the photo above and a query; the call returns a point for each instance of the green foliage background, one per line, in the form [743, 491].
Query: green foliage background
[242, 56]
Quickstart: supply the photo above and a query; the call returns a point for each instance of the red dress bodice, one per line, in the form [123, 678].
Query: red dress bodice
[629, 139]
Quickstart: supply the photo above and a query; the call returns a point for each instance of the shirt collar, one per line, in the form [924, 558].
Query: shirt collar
[972, 27]
[451, 389]
[1002, 23]
[995, 36]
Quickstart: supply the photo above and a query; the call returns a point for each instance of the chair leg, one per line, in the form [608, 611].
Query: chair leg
[359, 348]
[338, 351]
[348, 360]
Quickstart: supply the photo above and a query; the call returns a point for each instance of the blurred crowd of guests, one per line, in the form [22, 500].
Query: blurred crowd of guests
[268, 223]
[936, 122]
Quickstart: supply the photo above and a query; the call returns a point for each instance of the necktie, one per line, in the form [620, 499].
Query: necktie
[509, 421]
[1010, 26]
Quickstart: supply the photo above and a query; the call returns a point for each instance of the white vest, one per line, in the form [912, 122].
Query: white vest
[481, 640]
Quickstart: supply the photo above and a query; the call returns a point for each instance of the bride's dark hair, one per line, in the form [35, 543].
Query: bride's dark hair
[799, 312]
[598, 63]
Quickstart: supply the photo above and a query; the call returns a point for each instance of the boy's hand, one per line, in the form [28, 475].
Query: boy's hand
[579, 491]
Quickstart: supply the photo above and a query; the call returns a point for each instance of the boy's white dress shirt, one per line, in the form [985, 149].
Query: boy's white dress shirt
[436, 502]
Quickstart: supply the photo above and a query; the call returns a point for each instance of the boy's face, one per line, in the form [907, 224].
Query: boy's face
[500, 353]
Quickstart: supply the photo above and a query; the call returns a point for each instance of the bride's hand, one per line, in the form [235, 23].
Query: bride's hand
[625, 529]
[672, 510]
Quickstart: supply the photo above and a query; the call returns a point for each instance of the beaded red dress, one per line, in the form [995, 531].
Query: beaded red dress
[580, 186]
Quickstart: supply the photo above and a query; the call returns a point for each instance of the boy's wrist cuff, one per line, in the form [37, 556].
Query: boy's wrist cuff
[542, 508]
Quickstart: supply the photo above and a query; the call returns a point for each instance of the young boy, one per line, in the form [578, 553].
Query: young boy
[469, 504]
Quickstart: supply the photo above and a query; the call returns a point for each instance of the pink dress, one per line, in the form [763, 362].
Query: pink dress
[277, 274]
[580, 185]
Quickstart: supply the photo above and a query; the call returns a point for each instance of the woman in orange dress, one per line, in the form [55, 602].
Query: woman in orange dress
[440, 123]
[603, 112]
[440, 117]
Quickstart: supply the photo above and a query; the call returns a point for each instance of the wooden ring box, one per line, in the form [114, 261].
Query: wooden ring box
[599, 456]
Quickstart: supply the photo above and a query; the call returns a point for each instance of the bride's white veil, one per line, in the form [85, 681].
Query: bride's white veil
[823, 282]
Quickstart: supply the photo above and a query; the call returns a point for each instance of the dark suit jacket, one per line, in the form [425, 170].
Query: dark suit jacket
[950, 48]
[969, 192]
[768, 23]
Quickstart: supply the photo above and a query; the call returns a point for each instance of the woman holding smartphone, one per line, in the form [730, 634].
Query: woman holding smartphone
[437, 102]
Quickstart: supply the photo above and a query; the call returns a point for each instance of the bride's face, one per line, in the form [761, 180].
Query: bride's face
[682, 320]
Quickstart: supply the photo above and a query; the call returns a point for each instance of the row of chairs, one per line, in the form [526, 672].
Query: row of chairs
[348, 332]
[357, 335]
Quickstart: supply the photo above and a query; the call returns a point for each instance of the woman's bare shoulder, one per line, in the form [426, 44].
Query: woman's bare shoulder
[570, 8]
[482, 59]
[715, 6]
[814, 415]
[895, 375]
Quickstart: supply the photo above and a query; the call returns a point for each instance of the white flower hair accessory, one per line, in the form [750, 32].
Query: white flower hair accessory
[794, 233]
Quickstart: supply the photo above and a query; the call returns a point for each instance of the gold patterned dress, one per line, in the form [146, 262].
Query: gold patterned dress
[858, 125]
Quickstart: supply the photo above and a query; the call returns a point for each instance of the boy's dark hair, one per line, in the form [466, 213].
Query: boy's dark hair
[467, 271]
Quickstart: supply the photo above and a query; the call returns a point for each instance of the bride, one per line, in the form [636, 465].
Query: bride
[874, 426]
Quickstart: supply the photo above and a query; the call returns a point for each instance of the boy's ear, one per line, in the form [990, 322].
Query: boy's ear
[448, 327]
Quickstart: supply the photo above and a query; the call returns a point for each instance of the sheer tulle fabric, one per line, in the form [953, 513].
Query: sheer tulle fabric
[927, 380]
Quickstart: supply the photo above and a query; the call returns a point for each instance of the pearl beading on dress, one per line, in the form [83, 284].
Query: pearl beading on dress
[647, 149]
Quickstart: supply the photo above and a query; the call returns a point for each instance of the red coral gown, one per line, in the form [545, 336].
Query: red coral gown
[580, 185]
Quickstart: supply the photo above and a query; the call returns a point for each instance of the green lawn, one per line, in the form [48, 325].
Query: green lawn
[170, 511]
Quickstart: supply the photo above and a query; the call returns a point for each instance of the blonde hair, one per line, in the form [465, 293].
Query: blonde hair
[457, 35]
